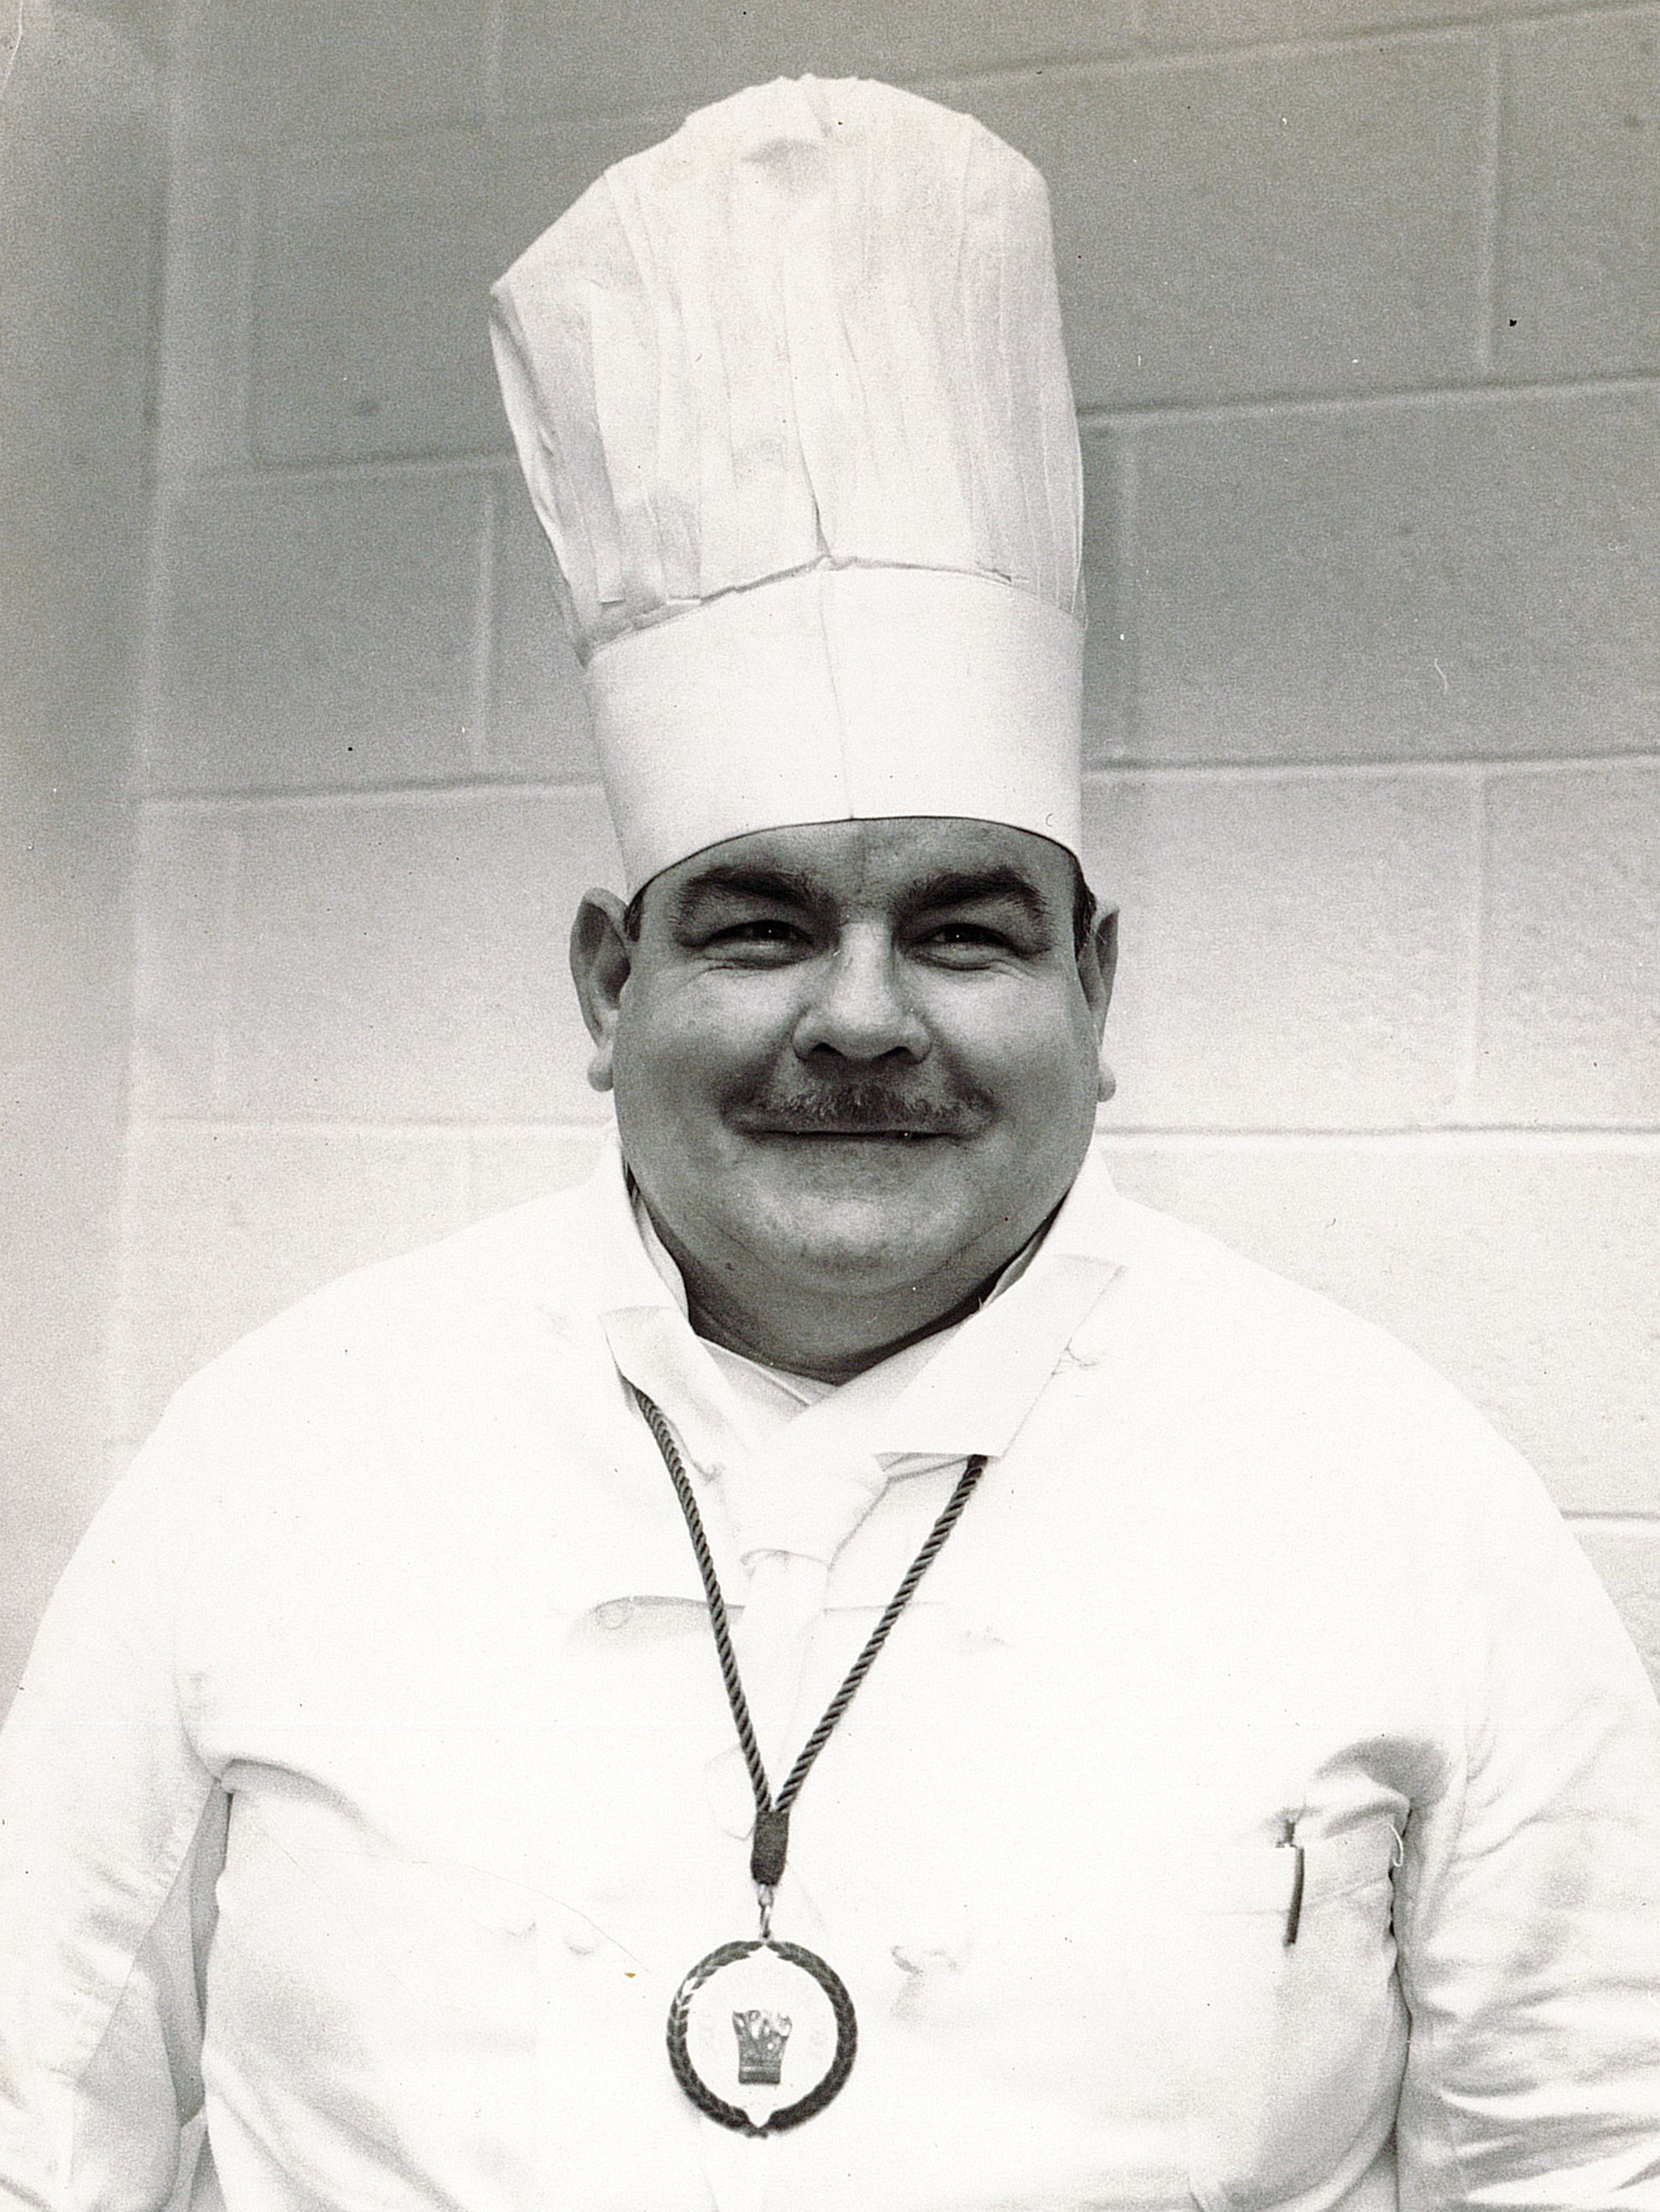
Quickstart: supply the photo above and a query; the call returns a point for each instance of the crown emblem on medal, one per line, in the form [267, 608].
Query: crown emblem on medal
[761, 2040]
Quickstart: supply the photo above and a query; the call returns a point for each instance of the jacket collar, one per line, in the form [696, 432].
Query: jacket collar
[972, 1396]
[579, 1259]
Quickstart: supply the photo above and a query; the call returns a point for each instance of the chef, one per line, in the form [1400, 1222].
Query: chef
[840, 1667]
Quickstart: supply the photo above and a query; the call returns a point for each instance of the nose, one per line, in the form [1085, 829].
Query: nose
[858, 1009]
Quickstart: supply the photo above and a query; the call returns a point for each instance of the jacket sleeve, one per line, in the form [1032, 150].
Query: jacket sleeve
[111, 1835]
[1528, 1906]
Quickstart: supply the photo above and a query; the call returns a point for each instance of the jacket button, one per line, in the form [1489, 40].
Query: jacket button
[928, 1958]
[615, 1612]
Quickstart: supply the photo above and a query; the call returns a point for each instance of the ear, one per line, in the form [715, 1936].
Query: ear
[601, 960]
[1097, 965]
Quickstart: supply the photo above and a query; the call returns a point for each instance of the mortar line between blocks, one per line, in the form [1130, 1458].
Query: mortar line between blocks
[481, 704]
[440, 1133]
[145, 762]
[463, 1179]
[1108, 414]
[1095, 415]
[1146, 56]
[1489, 210]
[1604, 1137]
[122, 1302]
[268, 799]
[230, 902]
[1467, 1069]
[1447, 1138]
[1317, 770]
[252, 193]
[358, 468]
[1148, 60]
[1126, 591]
[498, 785]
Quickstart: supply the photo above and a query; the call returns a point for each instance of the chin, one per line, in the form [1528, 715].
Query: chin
[871, 1239]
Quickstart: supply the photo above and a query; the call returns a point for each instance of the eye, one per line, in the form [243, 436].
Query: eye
[962, 940]
[966, 932]
[758, 932]
[760, 928]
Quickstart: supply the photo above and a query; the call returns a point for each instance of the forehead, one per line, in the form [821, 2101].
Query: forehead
[884, 862]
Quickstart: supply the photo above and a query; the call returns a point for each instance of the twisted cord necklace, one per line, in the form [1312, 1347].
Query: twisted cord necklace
[758, 1969]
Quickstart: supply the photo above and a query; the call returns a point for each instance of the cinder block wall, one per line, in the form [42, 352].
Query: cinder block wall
[80, 225]
[1364, 310]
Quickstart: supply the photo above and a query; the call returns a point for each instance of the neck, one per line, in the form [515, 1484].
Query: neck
[819, 1330]
[818, 1348]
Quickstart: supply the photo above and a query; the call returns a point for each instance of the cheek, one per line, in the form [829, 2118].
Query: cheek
[678, 1050]
[1036, 1059]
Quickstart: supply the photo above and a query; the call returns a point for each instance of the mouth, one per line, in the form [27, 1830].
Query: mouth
[854, 1113]
[852, 1134]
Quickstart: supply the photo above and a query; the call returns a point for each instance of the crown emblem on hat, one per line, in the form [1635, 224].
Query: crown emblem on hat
[761, 2040]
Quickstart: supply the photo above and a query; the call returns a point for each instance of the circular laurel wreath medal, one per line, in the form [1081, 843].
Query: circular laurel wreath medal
[762, 2034]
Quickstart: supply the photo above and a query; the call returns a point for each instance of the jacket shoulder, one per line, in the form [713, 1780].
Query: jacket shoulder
[411, 1320]
[1254, 1348]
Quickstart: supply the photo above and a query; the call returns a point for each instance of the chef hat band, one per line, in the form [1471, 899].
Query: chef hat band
[790, 396]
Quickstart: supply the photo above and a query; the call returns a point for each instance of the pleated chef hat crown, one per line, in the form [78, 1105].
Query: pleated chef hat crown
[790, 395]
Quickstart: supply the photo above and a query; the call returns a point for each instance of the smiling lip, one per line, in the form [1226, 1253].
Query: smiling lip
[861, 1128]
[861, 1132]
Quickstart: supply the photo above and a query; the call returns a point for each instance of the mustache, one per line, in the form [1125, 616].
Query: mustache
[860, 1107]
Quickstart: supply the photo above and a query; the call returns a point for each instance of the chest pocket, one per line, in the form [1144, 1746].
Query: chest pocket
[1300, 2044]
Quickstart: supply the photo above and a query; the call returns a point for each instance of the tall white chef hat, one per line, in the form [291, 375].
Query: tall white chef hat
[790, 398]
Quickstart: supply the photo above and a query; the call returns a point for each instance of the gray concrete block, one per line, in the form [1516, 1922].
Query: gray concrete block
[1579, 221]
[184, 890]
[1297, 950]
[1209, 23]
[227, 1225]
[319, 632]
[369, 302]
[512, 1166]
[1264, 223]
[1628, 1558]
[538, 173]
[539, 714]
[1569, 1028]
[207, 313]
[1109, 595]
[260, 69]
[1477, 575]
[1523, 1271]
[82, 178]
[72, 560]
[404, 958]
[557, 59]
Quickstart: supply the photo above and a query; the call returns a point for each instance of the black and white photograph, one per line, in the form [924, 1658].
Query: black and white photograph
[830, 1147]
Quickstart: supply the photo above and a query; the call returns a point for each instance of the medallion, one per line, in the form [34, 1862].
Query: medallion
[762, 2035]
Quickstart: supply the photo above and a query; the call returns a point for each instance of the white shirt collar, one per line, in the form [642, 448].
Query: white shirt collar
[967, 1391]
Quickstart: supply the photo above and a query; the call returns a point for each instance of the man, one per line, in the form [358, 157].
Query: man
[840, 1665]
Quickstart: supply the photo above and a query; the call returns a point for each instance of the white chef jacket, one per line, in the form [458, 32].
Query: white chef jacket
[372, 1777]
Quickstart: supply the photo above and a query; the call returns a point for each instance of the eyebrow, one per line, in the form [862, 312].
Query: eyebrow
[975, 886]
[778, 886]
[948, 887]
